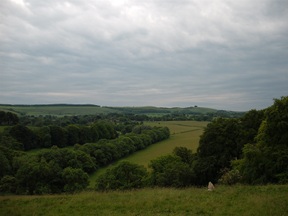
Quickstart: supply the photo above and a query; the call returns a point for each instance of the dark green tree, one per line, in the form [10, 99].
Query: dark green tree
[218, 145]
[250, 124]
[185, 154]
[9, 142]
[5, 167]
[72, 134]
[85, 134]
[44, 136]
[8, 118]
[266, 161]
[170, 171]
[25, 136]
[124, 176]
[58, 136]
[33, 176]
[8, 184]
[74, 179]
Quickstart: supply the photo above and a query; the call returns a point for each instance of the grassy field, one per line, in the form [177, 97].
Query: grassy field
[57, 110]
[183, 133]
[70, 109]
[267, 200]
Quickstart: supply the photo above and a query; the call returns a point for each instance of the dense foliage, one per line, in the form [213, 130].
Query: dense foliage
[124, 176]
[265, 161]
[252, 149]
[8, 118]
[57, 169]
[52, 135]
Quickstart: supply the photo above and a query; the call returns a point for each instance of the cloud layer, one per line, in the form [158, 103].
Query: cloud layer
[222, 54]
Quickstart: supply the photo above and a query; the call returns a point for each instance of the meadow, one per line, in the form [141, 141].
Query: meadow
[224, 200]
[183, 133]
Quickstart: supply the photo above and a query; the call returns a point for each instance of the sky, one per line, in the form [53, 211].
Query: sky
[222, 54]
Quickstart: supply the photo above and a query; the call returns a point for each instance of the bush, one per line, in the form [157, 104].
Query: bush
[74, 179]
[124, 176]
[8, 184]
[230, 177]
[170, 171]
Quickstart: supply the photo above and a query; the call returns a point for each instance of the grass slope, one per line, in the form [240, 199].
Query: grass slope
[225, 200]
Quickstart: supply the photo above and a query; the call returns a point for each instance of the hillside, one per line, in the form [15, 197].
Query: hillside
[56, 109]
[88, 109]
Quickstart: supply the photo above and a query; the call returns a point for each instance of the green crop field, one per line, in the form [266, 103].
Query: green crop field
[267, 200]
[183, 133]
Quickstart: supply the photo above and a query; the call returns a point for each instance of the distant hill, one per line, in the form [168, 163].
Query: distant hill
[90, 109]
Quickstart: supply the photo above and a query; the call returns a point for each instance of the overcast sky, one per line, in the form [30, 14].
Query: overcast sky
[223, 54]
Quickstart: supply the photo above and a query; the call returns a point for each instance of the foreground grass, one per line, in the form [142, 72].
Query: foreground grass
[225, 200]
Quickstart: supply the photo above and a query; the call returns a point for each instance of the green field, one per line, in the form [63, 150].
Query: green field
[183, 133]
[70, 109]
[57, 110]
[267, 200]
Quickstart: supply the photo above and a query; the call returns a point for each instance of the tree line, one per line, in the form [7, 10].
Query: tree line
[9, 118]
[25, 138]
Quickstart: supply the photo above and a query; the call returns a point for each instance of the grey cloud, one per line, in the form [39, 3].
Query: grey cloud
[224, 54]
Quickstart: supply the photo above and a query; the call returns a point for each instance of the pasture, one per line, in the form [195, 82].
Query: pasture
[269, 200]
[183, 133]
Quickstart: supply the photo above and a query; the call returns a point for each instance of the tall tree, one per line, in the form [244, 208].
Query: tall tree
[267, 160]
[24, 135]
[218, 145]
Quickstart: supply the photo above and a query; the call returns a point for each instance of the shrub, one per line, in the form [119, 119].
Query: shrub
[124, 176]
